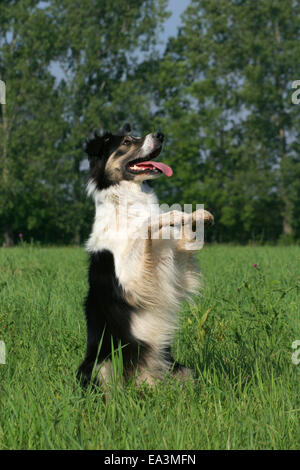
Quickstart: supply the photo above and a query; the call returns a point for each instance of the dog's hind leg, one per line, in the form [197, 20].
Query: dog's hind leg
[178, 370]
[84, 372]
[94, 356]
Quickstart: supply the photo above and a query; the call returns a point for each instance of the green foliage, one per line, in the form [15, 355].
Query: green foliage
[225, 95]
[221, 92]
[44, 123]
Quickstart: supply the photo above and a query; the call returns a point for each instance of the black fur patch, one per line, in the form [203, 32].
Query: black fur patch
[108, 317]
[99, 146]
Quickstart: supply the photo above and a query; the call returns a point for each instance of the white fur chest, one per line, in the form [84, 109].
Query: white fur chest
[121, 215]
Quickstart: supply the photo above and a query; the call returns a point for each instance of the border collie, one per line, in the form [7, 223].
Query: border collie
[137, 276]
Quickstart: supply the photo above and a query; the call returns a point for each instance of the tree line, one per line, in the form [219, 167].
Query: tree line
[220, 90]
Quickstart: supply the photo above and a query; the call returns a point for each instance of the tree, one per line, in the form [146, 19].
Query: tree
[102, 44]
[44, 123]
[224, 88]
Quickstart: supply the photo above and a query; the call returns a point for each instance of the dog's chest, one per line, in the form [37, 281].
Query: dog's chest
[120, 225]
[147, 270]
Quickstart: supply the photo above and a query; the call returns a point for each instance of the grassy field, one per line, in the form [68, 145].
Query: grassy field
[237, 337]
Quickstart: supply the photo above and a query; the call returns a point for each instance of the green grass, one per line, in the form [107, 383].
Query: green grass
[237, 337]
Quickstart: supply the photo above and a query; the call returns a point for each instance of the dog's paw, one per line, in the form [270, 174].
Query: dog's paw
[202, 214]
[184, 374]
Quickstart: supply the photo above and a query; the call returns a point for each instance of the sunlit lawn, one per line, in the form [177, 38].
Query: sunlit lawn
[237, 336]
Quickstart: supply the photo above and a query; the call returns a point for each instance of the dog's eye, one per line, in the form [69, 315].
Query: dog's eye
[126, 142]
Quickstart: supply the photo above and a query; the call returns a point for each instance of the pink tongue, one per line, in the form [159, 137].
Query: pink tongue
[167, 170]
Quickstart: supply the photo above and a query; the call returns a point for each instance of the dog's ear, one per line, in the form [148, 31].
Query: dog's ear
[126, 129]
[95, 144]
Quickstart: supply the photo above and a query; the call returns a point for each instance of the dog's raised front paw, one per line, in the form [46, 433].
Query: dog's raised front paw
[202, 214]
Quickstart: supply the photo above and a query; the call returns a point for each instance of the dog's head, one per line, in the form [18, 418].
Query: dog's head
[114, 158]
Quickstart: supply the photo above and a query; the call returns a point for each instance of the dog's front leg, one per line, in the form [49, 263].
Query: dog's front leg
[192, 238]
[160, 226]
[181, 226]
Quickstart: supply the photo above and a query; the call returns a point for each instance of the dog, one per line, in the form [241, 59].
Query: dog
[137, 277]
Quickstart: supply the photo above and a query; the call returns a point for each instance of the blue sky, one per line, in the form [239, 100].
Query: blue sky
[176, 7]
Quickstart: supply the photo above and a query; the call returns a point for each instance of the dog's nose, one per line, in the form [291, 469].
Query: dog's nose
[159, 135]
